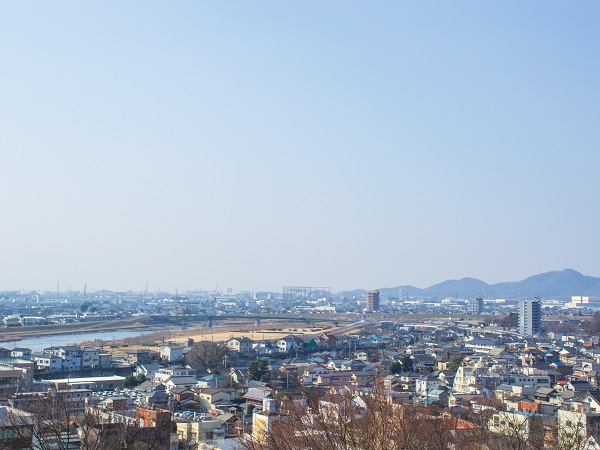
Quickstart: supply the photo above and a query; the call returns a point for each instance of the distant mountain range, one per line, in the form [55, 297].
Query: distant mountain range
[560, 285]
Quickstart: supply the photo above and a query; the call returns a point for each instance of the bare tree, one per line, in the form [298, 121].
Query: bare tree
[343, 420]
[208, 353]
[510, 430]
[369, 420]
[54, 423]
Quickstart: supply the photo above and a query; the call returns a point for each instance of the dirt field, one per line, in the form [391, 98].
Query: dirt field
[270, 330]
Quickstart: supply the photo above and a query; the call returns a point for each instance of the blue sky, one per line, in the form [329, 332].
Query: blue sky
[260, 144]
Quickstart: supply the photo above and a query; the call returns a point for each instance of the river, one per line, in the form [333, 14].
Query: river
[39, 343]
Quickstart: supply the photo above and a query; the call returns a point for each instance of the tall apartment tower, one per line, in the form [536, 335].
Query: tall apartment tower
[475, 305]
[373, 301]
[530, 317]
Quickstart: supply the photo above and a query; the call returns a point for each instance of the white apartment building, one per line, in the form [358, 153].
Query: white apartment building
[90, 358]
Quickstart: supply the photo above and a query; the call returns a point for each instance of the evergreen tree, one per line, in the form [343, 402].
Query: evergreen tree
[258, 370]
[394, 367]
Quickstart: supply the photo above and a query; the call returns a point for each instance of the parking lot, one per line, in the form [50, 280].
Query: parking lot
[135, 399]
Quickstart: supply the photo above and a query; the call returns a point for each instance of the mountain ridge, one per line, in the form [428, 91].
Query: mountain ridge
[556, 285]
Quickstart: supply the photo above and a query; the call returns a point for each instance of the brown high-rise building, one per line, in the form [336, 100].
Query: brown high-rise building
[373, 301]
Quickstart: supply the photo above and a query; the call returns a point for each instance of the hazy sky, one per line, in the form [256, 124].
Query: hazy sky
[322, 143]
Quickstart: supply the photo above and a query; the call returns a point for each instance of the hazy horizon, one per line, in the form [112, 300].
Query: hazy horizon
[59, 288]
[337, 144]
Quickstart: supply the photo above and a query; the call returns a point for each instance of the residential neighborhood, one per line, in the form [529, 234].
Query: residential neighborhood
[483, 373]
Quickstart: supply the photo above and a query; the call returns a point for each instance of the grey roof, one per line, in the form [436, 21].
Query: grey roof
[212, 391]
[225, 417]
[148, 386]
[158, 394]
[180, 389]
[182, 380]
[496, 351]
[437, 392]
[422, 358]
[241, 339]
[566, 395]
[544, 391]
[258, 393]
[581, 385]
[213, 376]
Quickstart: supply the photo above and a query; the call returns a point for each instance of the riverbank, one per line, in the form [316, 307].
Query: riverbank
[143, 323]
[151, 332]
[270, 329]
[94, 339]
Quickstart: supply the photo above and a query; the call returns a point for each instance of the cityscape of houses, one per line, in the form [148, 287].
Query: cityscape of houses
[505, 366]
[28, 309]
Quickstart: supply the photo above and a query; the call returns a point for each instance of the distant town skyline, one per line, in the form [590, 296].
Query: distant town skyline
[338, 144]
[556, 284]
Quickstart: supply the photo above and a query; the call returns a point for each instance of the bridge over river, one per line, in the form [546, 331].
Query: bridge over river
[210, 319]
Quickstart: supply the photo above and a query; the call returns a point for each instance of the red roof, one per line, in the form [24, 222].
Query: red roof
[460, 424]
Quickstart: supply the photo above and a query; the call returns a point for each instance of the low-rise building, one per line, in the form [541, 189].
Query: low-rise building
[257, 396]
[179, 382]
[92, 383]
[137, 357]
[90, 358]
[203, 431]
[286, 344]
[70, 354]
[11, 380]
[16, 428]
[519, 379]
[47, 363]
[241, 345]
[148, 370]
[30, 321]
[171, 353]
[105, 360]
[579, 426]
[427, 384]
[164, 373]
[21, 353]
[212, 398]
[26, 366]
